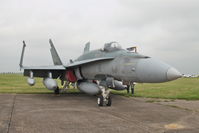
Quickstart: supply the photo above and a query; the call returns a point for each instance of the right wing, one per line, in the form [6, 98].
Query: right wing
[58, 70]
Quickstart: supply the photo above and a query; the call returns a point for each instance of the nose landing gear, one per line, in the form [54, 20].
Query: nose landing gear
[104, 98]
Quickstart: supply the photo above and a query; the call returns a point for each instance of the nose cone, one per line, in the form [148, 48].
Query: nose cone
[173, 74]
[155, 71]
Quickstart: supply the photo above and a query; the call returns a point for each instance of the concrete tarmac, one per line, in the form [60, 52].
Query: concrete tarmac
[79, 113]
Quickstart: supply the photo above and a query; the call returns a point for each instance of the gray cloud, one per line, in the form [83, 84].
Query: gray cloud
[166, 29]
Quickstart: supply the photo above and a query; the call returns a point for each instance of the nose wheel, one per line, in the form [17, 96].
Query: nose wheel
[104, 98]
[100, 100]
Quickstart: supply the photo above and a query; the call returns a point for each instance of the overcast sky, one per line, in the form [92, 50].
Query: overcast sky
[165, 29]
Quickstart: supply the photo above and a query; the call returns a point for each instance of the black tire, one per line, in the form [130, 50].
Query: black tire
[57, 91]
[100, 100]
[132, 90]
[109, 101]
[127, 89]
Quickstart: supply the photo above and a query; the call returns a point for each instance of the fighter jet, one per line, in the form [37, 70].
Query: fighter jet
[95, 72]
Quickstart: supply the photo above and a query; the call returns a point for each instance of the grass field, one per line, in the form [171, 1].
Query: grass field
[184, 88]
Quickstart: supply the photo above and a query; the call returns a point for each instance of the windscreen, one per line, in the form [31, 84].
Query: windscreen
[112, 46]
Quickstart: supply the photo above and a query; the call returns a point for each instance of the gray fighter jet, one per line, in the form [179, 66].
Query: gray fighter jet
[94, 72]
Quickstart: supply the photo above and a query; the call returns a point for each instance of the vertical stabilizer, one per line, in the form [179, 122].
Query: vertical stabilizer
[87, 47]
[55, 56]
[22, 55]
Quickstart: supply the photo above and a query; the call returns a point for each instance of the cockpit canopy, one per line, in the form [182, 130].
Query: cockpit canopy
[112, 46]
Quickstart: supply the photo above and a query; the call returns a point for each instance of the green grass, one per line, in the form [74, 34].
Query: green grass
[184, 88]
[16, 83]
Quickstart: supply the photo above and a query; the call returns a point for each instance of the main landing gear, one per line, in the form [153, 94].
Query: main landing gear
[57, 91]
[130, 87]
[104, 98]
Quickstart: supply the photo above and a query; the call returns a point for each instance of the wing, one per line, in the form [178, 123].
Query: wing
[58, 70]
[57, 67]
[42, 71]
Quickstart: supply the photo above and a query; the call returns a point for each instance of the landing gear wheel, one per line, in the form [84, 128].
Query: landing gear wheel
[57, 91]
[100, 100]
[109, 101]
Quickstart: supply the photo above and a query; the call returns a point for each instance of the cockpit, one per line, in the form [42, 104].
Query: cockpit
[112, 46]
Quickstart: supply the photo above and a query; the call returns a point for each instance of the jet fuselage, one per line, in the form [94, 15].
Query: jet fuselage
[126, 66]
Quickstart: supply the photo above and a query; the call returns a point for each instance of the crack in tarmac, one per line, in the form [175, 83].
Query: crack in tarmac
[124, 117]
[11, 113]
[179, 107]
